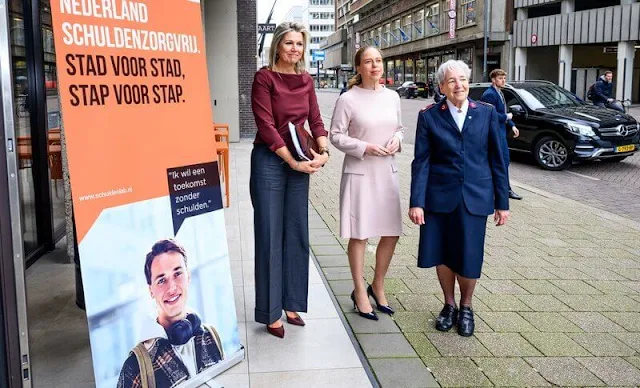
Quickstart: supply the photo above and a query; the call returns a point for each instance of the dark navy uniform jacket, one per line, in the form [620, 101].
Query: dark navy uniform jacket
[492, 96]
[450, 166]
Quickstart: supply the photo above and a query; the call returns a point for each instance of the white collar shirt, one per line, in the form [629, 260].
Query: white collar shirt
[458, 115]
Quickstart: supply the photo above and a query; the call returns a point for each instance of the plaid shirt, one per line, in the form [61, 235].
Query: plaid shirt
[168, 369]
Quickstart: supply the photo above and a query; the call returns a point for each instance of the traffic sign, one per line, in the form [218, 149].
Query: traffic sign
[317, 54]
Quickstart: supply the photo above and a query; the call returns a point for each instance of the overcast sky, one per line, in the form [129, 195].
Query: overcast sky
[282, 7]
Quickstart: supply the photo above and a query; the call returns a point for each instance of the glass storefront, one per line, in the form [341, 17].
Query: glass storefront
[408, 70]
[37, 127]
[432, 66]
[399, 72]
[390, 73]
[53, 119]
[22, 120]
[421, 70]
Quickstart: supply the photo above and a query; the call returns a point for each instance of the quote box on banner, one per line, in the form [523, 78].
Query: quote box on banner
[137, 118]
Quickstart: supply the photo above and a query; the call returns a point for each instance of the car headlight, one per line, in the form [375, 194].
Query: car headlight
[580, 129]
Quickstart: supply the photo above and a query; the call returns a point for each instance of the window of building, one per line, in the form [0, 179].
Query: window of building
[467, 12]
[432, 20]
[378, 37]
[390, 72]
[551, 9]
[418, 24]
[395, 33]
[399, 72]
[322, 2]
[432, 67]
[466, 55]
[408, 70]
[387, 35]
[321, 15]
[321, 27]
[406, 29]
[316, 40]
[584, 5]
[421, 72]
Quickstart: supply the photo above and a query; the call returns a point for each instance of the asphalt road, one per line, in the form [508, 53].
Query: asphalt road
[613, 187]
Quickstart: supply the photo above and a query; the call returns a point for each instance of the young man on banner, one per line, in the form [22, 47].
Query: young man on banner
[179, 345]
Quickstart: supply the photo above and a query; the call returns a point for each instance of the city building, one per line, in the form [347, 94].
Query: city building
[338, 47]
[573, 42]
[35, 210]
[415, 37]
[319, 17]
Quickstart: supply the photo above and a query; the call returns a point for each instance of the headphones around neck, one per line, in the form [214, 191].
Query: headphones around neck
[181, 331]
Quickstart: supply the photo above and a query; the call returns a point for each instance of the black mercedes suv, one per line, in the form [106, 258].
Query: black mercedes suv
[558, 128]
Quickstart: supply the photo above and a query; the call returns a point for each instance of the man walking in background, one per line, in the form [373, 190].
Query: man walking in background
[493, 95]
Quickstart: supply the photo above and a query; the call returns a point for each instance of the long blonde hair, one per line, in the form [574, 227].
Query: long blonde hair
[278, 35]
[357, 79]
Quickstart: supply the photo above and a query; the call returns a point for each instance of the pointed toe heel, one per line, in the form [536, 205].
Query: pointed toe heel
[370, 315]
[382, 307]
[276, 331]
[297, 321]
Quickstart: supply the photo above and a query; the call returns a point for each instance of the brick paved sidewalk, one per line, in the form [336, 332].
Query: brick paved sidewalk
[558, 302]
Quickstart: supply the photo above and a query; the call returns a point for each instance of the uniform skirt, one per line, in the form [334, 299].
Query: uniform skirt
[454, 239]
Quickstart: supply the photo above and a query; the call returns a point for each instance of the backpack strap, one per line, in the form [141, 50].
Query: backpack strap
[147, 377]
[214, 333]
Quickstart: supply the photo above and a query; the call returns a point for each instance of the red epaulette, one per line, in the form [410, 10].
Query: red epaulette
[427, 107]
[482, 102]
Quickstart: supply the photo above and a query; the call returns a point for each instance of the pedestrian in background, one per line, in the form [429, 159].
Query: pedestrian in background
[367, 126]
[283, 93]
[494, 96]
[458, 178]
[603, 93]
[344, 88]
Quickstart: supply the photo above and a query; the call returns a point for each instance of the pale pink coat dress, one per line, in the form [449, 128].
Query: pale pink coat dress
[369, 190]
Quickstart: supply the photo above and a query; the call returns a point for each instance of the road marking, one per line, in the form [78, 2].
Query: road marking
[584, 176]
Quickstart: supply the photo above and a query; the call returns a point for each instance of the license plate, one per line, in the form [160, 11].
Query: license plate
[625, 148]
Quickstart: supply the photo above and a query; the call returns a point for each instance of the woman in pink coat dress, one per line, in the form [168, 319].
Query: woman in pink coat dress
[366, 126]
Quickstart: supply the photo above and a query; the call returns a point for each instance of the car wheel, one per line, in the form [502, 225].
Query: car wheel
[615, 159]
[551, 154]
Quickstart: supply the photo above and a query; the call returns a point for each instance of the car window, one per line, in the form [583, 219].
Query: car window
[510, 98]
[547, 96]
[476, 93]
[404, 85]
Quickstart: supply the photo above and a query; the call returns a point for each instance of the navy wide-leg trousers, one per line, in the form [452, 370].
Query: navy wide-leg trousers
[280, 198]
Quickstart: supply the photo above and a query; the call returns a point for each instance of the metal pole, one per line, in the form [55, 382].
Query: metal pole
[318, 72]
[487, 7]
[264, 34]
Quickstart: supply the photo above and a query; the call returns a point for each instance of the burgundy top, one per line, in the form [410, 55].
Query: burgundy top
[276, 100]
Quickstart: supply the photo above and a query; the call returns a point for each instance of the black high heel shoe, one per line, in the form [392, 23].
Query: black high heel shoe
[370, 315]
[384, 308]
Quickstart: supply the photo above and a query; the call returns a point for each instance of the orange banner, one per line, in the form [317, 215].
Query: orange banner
[135, 98]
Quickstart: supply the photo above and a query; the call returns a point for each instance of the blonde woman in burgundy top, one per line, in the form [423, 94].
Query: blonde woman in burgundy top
[283, 93]
[367, 127]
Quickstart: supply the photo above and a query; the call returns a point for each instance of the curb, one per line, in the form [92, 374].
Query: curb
[343, 318]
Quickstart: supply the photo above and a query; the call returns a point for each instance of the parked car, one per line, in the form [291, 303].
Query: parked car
[411, 89]
[422, 90]
[558, 129]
